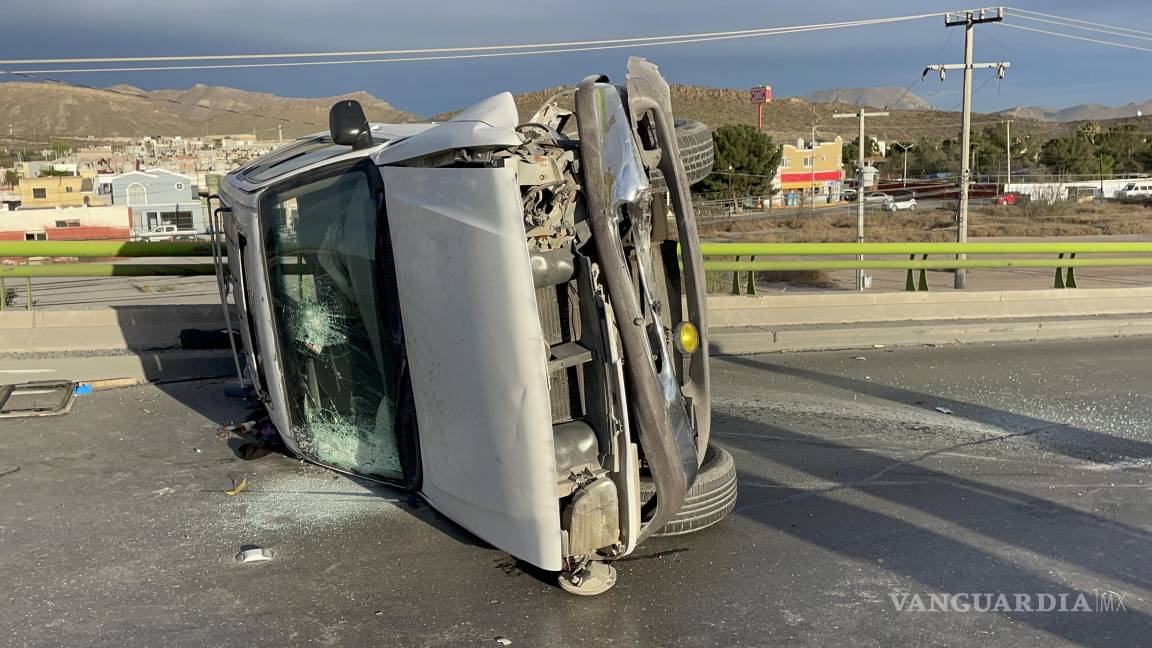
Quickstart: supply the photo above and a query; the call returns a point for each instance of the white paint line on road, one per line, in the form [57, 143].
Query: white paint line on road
[24, 371]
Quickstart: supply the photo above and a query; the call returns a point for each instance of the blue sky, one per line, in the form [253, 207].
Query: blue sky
[1046, 71]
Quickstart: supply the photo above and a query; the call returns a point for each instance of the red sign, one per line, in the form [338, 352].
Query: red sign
[761, 94]
[811, 176]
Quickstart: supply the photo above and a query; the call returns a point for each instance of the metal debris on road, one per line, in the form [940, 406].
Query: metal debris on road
[237, 488]
[253, 555]
[37, 398]
[943, 410]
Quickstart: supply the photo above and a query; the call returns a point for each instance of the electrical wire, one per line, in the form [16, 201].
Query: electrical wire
[1077, 20]
[1079, 38]
[1110, 32]
[442, 54]
[905, 93]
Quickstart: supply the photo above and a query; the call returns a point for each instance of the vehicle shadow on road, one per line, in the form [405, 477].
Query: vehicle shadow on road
[1062, 438]
[940, 562]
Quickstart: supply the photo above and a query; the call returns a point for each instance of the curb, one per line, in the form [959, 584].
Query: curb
[761, 339]
[120, 369]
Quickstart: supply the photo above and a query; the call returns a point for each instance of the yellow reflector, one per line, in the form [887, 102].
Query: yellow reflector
[687, 338]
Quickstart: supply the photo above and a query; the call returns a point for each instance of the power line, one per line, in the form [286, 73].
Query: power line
[444, 53]
[1077, 20]
[1079, 38]
[905, 93]
[1063, 23]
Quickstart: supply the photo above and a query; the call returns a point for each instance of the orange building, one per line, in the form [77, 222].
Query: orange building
[812, 170]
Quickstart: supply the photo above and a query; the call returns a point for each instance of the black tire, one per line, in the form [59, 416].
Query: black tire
[711, 498]
[696, 151]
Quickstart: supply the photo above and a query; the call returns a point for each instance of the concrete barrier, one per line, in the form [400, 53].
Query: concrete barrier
[858, 307]
[128, 328]
[737, 324]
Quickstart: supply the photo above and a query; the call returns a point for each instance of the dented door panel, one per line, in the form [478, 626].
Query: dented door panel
[478, 356]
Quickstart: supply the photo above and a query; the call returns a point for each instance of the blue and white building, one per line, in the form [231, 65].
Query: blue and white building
[156, 197]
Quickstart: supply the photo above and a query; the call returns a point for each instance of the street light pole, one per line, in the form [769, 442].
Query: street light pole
[904, 147]
[860, 114]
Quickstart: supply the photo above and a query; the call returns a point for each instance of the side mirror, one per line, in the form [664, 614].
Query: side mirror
[348, 125]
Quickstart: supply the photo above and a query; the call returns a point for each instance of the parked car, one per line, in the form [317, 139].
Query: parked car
[1141, 189]
[848, 195]
[455, 309]
[168, 233]
[1005, 199]
[900, 203]
[876, 197]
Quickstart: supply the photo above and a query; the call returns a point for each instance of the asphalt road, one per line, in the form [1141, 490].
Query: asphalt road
[856, 493]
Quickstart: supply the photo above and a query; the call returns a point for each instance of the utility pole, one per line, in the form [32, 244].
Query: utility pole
[969, 19]
[1008, 149]
[732, 187]
[904, 147]
[860, 114]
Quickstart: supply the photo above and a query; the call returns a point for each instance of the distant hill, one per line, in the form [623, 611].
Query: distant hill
[1082, 112]
[41, 110]
[888, 97]
[789, 119]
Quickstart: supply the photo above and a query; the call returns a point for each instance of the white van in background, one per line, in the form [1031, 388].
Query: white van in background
[1141, 189]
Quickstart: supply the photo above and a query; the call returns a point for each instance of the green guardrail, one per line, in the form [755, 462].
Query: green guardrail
[1065, 266]
[756, 252]
[90, 249]
[872, 249]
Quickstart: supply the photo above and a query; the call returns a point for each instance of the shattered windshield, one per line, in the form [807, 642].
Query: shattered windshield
[327, 295]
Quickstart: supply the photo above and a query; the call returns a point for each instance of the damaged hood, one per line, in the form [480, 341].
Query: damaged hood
[488, 124]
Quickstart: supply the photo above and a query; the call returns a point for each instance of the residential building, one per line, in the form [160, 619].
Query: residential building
[812, 169]
[66, 224]
[156, 197]
[55, 191]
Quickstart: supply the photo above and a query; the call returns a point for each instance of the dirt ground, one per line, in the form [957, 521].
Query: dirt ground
[838, 224]
[1016, 223]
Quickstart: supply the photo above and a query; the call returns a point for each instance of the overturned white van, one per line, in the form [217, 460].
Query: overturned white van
[507, 318]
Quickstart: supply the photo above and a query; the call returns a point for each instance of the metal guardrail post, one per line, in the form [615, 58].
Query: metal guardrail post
[28, 293]
[751, 279]
[909, 281]
[736, 280]
[1070, 281]
[3, 293]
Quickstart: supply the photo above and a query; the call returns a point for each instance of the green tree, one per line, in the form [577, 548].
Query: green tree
[1070, 155]
[61, 148]
[752, 157]
[1127, 146]
[852, 151]
[928, 157]
[11, 177]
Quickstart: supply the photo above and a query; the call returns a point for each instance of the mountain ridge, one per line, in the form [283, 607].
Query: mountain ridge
[41, 111]
[1079, 112]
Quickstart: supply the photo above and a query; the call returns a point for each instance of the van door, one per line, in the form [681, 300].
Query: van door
[477, 353]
